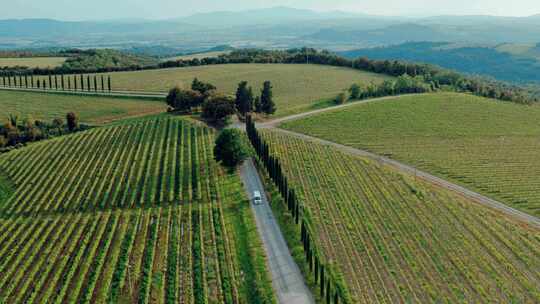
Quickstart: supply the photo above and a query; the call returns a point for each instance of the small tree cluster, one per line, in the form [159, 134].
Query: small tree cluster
[15, 133]
[247, 103]
[218, 108]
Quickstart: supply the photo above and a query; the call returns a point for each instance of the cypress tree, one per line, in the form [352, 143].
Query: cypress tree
[322, 281]
[102, 84]
[109, 82]
[69, 83]
[50, 81]
[55, 82]
[95, 83]
[38, 83]
[63, 83]
[20, 81]
[32, 80]
[88, 83]
[327, 291]
[26, 80]
[82, 82]
[267, 100]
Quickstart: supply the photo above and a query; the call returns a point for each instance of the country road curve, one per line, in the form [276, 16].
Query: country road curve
[287, 280]
[437, 181]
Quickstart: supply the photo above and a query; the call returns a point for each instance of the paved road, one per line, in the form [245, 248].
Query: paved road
[287, 279]
[134, 94]
[483, 200]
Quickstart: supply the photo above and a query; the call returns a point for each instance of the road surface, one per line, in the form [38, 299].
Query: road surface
[287, 279]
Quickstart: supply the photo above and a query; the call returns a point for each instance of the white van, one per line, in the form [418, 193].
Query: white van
[257, 200]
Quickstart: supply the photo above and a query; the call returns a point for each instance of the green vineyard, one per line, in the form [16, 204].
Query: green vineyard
[136, 212]
[398, 240]
[486, 145]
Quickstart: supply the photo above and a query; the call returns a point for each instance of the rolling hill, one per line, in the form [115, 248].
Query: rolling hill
[483, 144]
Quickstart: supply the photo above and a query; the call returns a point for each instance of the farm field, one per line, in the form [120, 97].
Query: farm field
[297, 88]
[398, 240]
[133, 212]
[485, 145]
[92, 110]
[33, 62]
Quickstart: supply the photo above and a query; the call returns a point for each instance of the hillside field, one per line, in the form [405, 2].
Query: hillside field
[134, 212]
[297, 88]
[486, 145]
[398, 240]
[92, 110]
[33, 62]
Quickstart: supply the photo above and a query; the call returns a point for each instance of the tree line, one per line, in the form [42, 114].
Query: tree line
[441, 77]
[62, 82]
[332, 288]
[16, 133]
[217, 108]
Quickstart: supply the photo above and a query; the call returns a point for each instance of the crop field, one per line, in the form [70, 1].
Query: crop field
[33, 62]
[93, 110]
[485, 145]
[134, 212]
[398, 240]
[297, 88]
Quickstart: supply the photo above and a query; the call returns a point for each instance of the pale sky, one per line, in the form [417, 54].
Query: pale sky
[161, 9]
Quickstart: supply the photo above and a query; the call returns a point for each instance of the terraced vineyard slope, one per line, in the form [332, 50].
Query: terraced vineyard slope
[93, 110]
[485, 145]
[297, 87]
[136, 212]
[397, 240]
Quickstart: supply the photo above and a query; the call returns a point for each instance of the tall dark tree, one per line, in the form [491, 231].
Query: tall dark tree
[72, 121]
[95, 83]
[63, 82]
[88, 86]
[244, 98]
[109, 83]
[257, 105]
[267, 99]
[102, 83]
[82, 82]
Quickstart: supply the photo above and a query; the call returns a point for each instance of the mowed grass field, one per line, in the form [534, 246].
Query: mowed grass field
[397, 240]
[486, 145]
[92, 110]
[33, 62]
[297, 88]
[135, 212]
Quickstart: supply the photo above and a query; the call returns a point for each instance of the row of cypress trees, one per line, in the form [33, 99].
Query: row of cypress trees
[60, 82]
[316, 266]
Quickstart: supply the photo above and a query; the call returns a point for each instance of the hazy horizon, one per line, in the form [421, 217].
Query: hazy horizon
[166, 9]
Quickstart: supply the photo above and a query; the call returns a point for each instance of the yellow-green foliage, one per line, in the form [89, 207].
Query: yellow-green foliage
[135, 212]
[486, 145]
[397, 240]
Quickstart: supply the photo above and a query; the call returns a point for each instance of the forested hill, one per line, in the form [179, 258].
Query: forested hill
[480, 60]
